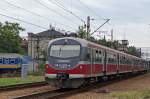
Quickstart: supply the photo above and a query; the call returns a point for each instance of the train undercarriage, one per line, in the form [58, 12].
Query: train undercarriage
[65, 82]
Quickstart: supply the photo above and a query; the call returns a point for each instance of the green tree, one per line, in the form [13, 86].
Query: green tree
[134, 51]
[81, 32]
[104, 42]
[10, 41]
[116, 44]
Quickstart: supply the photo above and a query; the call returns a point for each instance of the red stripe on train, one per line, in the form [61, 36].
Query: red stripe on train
[94, 69]
[79, 69]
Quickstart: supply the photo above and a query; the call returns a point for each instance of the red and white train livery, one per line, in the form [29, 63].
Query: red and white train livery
[73, 62]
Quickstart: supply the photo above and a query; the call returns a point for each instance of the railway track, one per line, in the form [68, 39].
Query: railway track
[21, 86]
[59, 93]
[43, 95]
[56, 94]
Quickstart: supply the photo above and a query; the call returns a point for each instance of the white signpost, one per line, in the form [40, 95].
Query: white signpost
[24, 70]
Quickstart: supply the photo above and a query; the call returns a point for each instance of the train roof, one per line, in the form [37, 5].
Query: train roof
[86, 43]
[10, 55]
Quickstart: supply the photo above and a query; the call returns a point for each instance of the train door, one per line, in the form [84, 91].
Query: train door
[118, 63]
[92, 62]
[105, 62]
[101, 59]
[90, 51]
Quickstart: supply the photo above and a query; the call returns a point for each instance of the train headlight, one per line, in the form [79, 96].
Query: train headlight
[48, 65]
[81, 67]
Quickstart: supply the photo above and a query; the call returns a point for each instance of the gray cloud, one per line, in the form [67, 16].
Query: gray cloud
[129, 16]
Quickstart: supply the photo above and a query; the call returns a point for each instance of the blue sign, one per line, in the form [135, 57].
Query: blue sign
[10, 61]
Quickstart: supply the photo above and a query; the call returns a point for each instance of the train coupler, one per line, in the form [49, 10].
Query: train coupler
[62, 76]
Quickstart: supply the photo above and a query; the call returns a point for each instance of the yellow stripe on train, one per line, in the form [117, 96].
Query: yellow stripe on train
[9, 66]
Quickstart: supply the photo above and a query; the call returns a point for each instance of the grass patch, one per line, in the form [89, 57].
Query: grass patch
[131, 95]
[19, 80]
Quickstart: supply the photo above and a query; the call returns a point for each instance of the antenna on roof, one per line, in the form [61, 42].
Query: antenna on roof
[51, 27]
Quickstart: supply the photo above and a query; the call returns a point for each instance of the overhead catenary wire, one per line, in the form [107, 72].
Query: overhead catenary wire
[89, 9]
[22, 8]
[107, 20]
[26, 22]
[36, 14]
[42, 4]
[94, 12]
[64, 8]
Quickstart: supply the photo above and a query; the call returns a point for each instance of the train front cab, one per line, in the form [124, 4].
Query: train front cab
[66, 68]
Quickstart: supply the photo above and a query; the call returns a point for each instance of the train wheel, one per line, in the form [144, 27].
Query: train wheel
[86, 82]
[119, 76]
[105, 78]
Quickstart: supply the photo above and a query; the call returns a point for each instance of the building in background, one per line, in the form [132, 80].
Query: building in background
[123, 46]
[37, 43]
[24, 44]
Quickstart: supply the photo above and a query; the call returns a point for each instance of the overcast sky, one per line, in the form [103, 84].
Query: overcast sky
[129, 18]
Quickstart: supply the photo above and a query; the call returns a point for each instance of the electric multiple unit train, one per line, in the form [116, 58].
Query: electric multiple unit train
[73, 62]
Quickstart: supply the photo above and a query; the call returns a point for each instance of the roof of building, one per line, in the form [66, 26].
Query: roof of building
[51, 33]
[9, 55]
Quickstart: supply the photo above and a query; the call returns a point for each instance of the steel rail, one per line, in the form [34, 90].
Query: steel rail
[59, 93]
[21, 86]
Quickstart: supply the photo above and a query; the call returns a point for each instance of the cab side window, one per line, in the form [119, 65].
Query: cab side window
[88, 56]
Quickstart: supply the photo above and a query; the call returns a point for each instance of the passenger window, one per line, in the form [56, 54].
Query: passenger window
[127, 61]
[97, 56]
[100, 56]
[1, 60]
[6, 61]
[122, 60]
[94, 55]
[112, 58]
[12, 61]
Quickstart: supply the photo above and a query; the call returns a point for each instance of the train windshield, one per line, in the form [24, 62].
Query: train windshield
[65, 51]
